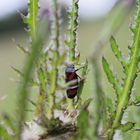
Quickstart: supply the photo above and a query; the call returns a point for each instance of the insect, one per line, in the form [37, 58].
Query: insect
[71, 75]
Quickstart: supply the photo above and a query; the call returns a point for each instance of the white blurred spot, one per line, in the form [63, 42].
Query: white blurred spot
[88, 9]
[2, 98]
[32, 131]
[8, 7]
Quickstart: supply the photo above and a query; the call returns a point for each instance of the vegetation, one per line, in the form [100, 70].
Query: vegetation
[55, 115]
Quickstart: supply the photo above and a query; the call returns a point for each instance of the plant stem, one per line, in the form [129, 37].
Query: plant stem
[72, 34]
[23, 91]
[72, 38]
[36, 45]
[54, 72]
[129, 81]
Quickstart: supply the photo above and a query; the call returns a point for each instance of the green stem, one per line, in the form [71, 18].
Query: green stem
[51, 96]
[73, 15]
[23, 91]
[40, 105]
[72, 36]
[129, 81]
[34, 19]
[36, 45]
[54, 72]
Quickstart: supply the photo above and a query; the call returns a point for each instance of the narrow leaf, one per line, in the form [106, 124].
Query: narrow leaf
[132, 71]
[135, 29]
[17, 71]
[126, 127]
[111, 78]
[118, 53]
[22, 49]
[32, 102]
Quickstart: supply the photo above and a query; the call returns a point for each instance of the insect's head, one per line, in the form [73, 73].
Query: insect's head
[70, 68]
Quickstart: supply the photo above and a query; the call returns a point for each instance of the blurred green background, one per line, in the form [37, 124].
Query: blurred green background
[90, 30]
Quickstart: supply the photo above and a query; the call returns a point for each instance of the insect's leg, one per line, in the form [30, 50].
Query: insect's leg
[79, 68]
[81, 79]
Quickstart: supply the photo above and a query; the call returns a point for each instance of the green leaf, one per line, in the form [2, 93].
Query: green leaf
[110, 111]
[126, 127]
[135, 102]
[132, 71]
[32, 102]
[137, 99]
[118, 53]
[111, 78]
[135, 29]
[24, 18]
[110, 106]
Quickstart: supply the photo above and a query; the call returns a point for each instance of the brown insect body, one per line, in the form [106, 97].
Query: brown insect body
[71, 75]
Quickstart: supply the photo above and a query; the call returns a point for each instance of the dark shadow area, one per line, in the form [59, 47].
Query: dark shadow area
[12, 22]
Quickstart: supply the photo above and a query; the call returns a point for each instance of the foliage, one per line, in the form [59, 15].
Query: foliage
[124, 90]
[54, 112]
[72, 34]
[47, 77]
